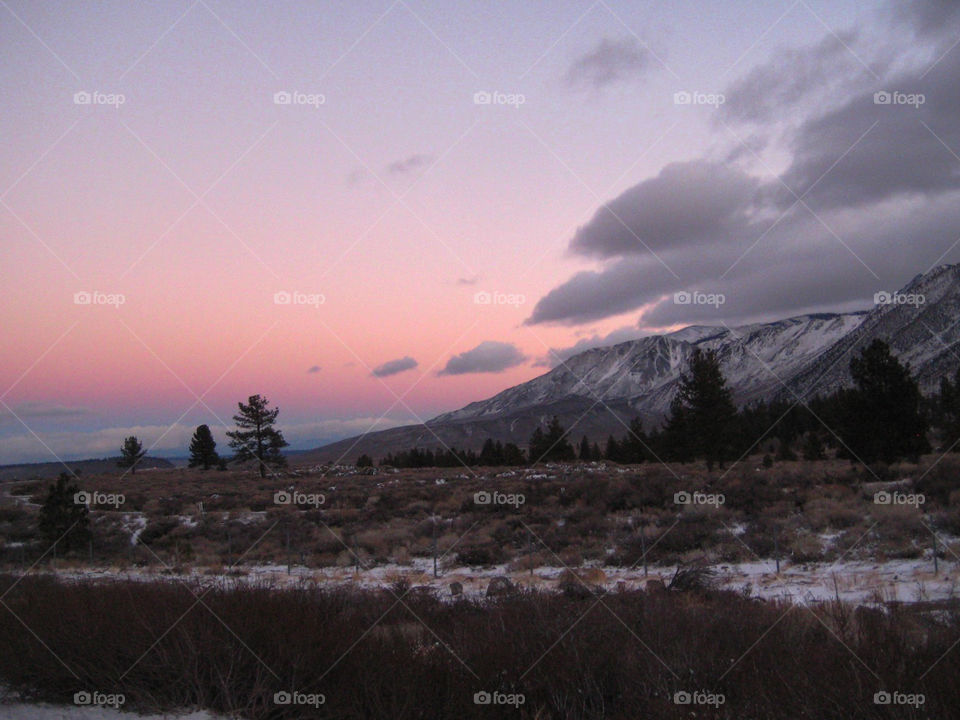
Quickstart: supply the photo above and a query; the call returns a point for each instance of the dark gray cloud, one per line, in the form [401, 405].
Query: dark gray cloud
[313, 369]
[609, 62]
[392, 367]
[881, 197]
[686, 203]
[795, 76]
[490, 356]
[409, 164]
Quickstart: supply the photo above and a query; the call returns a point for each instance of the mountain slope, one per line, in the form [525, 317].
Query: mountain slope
[597, 392]
[924, 335]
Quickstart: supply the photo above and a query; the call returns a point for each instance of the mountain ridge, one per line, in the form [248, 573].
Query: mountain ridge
[597, 392]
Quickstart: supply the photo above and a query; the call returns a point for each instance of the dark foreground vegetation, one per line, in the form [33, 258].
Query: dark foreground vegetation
[402, 653]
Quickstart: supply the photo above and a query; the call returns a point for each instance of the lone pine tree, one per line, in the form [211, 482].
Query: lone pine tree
[702, 421]
[131, 453]
[255, 437]
[203, 449]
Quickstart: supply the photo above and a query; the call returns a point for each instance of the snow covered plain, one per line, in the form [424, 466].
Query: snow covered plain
[855, 581]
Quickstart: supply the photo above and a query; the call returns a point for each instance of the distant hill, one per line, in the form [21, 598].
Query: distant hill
[28, 471]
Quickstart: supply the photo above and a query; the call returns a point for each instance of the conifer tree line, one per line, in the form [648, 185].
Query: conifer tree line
[883, 417]
[256, 440]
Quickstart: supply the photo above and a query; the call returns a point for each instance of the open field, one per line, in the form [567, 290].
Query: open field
[557, 515]
[589, 590]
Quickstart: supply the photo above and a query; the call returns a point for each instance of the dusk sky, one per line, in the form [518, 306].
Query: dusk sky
[374, 212]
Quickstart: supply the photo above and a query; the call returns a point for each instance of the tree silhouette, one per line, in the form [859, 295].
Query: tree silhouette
[703, 418]
[64, 519]
[551, 445]
[203, 449]
[255, 437]
[131, 454]
[881, 418]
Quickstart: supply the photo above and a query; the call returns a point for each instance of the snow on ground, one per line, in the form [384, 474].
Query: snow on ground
[861, 582]
[43, 711]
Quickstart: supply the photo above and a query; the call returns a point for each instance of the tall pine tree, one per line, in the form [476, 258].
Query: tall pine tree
[703, 418]
[255, 437]
[203, 449]
[881, 417]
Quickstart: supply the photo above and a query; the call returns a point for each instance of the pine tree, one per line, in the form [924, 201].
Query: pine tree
[612, 453]
[551, 445]
[585, 454]
[635, 444]
[703, 417]
[203, 449]
[64, 518]
[255, 437]
[513, 455]
[881, 418]
[131, 453]
[364, 461]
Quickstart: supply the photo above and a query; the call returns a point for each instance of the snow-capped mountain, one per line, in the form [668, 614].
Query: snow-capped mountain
[756, 360]
[601, 389]
[921, 323]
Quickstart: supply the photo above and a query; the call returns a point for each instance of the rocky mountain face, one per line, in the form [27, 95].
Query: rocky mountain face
[598, 391]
